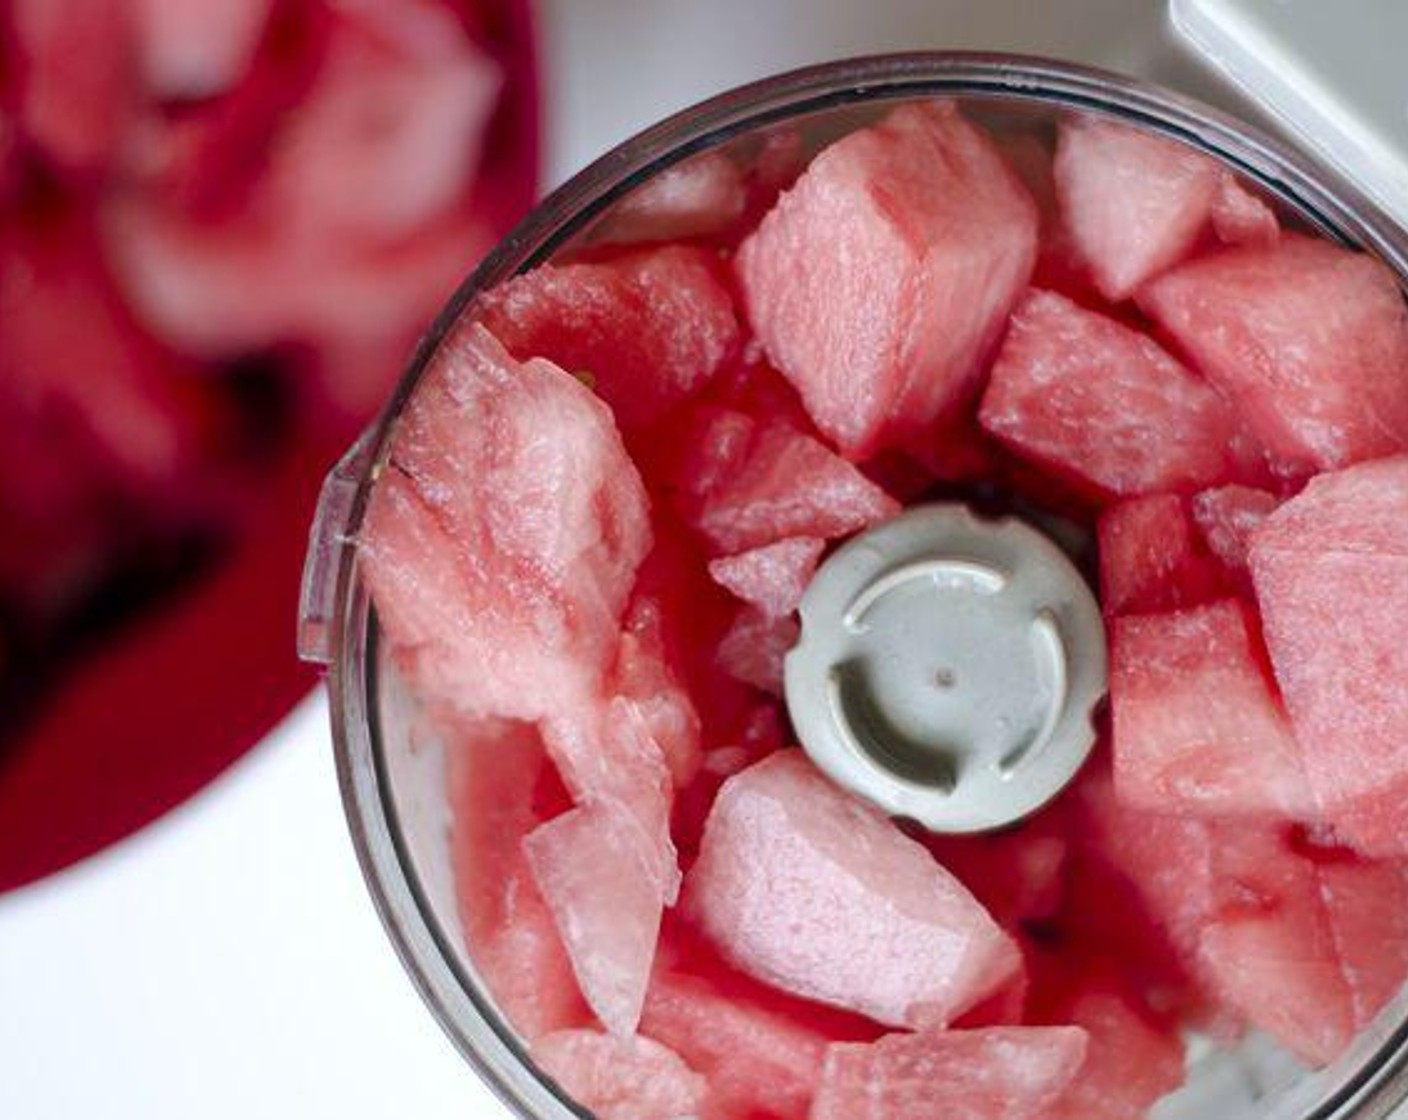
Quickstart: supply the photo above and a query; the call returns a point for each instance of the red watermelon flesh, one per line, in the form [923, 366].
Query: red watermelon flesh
[646, 330]
[76, 79]
[1101, 403]
[704, 195]
[644, 676]
[1150, 560]
[606, 905]
[620, 1078]
[187, 49]
[1018, 875]
[1227, 517]
[755, 647]
[1134, 202]
[1130, 1061]
[493, 769]
[996, 1073]
[1367, 905]
[880, 281]
[759, 1059]
[1331, 574]
[772, 577]
[804, 887]
[1309, 340]
[773, 483]
[1240, 218]
[534, 544]
[1198, 727]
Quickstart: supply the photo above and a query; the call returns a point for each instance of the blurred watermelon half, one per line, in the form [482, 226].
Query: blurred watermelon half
[223, 227]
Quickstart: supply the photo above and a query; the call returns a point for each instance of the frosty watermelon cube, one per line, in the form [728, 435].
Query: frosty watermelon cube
[810, 890]
[620, 1078]
[997, 1073]
[500, 562]
[1227, 517]
[1308, 339]
[1150, 560]
[1331, 574]
[880, 281]
[1198, 728]
[772, 577]
[1099, 402]
[645, 677]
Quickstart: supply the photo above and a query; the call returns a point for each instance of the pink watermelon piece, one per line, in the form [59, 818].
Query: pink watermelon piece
[997, 1073]
[500, 563]
[852, 280]
[1134, 202]
[1103, 404]
[1367, 905]
[1240, 218]
[764, 482]
[1331, 574]
[645, 677]
[702, 196]
[805, 888]
[620, 1078]
[758, 1060]
[188, 50]
[1227, 516]
[1309, 340]
[1150, 560]
[76, 83]
[608, 757]
[646, 330]
[1130, 1063]
[493, 769]
[1198, 728]
[756, 646]
[772, 577]
[605, 903]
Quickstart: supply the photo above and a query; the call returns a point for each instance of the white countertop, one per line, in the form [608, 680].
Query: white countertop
[226, 963]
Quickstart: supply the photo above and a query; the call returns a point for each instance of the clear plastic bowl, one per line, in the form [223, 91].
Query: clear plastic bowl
[393, 782]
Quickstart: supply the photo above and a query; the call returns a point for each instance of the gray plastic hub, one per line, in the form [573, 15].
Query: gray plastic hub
[948, 668]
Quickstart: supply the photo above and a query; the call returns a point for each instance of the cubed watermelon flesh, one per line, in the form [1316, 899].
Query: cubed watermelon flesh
[878, 283]
[646, 330]
[755, 648]
[771, 577]
[1330, 568]
[808, 889]
[620, 1078]
[996, 1073]
[1198, 727]
[1309, 340]
[1227, 517]
[1150, 560]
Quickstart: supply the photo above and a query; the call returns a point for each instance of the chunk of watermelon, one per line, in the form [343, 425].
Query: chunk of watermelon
[1308, 339]
[881, 280]
[75, 79]
[645, 677]
[1198, 728]
[756, 647]
[773, 577]
[1102, 404]
[1011, 1073]
[647, 330]
[1134, 202]
[620, 1078]
[764, 482]
[1227, 517]
[1367, 905]
[1240, 218]
[1331, 574]
[493, 768]
[188, 50]
[1150, 560]
[1019, 875]
[806, 888]
[499, 562]
[701, 196]
[606, 906]
[758, 1059]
